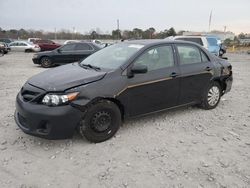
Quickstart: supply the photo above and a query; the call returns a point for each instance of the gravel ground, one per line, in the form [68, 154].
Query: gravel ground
[187, 147]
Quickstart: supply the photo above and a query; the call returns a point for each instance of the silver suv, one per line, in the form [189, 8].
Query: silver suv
[211, 43]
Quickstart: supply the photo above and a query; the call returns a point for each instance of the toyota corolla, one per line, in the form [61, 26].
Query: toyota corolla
[124, 80]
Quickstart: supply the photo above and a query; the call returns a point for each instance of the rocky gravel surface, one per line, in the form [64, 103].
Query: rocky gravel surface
[186, 147]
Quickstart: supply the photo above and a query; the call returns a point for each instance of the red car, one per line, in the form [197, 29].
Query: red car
[46, 45]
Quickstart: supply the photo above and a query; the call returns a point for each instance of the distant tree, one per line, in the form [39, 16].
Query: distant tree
[242, 36]
[116, 34]
[171, 32]
[137, 33]
[93, 35]
[151, 31]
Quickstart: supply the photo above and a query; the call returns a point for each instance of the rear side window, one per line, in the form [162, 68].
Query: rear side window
[83, 47]
[189, 54]
[195, 40]
[22, 44]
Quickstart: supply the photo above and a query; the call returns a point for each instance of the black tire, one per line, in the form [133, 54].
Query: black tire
[46, 62]
[211, 98]
[28, 50]
[101, 121]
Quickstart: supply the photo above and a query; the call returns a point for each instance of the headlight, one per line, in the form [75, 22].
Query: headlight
[35, 56]
[226, 71]
[57, 99]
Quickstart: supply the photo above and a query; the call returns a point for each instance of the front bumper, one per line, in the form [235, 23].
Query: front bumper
[36, 60]
[46, 122]
[228, 83]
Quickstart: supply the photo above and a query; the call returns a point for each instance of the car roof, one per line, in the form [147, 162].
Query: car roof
[149, 42]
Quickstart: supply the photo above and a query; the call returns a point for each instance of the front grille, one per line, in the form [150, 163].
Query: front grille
[30, 93]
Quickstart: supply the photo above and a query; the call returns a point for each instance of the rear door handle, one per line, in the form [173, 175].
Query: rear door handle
[174, 74]
[208, 69]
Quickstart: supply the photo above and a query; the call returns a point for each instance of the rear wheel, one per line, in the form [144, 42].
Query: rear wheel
[28, 50]
[102, 120]
[211, 97]
[46, 62]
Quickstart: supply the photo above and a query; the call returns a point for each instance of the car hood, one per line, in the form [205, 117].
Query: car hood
[65, 77]
[45, 53]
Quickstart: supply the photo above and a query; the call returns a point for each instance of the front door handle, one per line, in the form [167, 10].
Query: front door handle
[208, 69]
[174, 75]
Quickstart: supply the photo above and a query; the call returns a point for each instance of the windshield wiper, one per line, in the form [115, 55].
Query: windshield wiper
[90, 66]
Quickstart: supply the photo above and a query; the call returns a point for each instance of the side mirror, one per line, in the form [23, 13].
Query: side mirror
[139, 69]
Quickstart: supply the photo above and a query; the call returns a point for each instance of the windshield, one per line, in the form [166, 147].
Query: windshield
[113, 56]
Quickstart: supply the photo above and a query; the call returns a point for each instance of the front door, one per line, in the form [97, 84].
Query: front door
[82, 50]
[65, 54]
[196, 72]
[159, 87]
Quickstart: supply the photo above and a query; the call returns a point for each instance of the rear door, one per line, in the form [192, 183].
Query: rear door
[196, 72]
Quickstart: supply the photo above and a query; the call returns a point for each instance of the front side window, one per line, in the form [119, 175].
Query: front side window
[83, 47]
[204, 57]
[68, 47]
[157, 58]
[13, 44]
[189, 54]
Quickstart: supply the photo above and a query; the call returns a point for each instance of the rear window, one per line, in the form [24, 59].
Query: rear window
[212, 41]
[195, 40]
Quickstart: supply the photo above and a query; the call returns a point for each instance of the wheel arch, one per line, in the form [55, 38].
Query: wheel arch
[221, 83]
[85, 104]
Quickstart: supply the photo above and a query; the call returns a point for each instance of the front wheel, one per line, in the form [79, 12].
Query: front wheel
[46, 62]
[102, 120]
[211, 97]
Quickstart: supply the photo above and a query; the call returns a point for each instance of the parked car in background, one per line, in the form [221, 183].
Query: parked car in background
[6, 40]
[5, 47]
[70, 41]
[1, 50]
[124, 80]
[46, 45]
[67, 53]
[23, 46]
[33, 39]
[211, 43]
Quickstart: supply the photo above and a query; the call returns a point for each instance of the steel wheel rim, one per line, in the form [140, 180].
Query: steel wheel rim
[46, 62]
[213, 96]
[101, 121]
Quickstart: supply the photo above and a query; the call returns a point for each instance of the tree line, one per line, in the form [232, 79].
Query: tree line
[136, 33]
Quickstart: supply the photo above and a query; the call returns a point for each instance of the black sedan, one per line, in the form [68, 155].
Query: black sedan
[68, 53]
[121, 81]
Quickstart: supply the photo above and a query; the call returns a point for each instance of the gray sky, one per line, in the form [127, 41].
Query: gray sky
[85, 15]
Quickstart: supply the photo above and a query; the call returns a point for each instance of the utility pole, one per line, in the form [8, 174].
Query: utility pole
[55, 34]
[73, 33]
[118, 29]
[210, 20]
